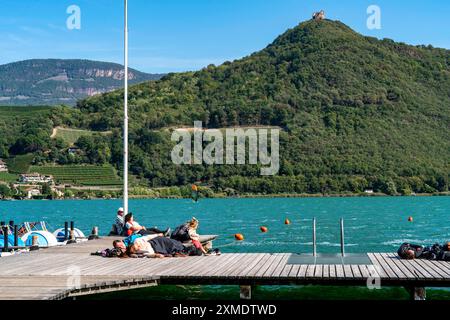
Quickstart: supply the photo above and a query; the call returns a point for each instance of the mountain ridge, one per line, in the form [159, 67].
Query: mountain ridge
[61, 81]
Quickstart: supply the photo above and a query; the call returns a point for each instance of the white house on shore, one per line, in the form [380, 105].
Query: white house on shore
[35, 178]
[33, 192]
[3, 166]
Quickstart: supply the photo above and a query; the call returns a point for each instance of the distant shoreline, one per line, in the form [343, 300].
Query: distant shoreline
[306, 195]
[253, 196]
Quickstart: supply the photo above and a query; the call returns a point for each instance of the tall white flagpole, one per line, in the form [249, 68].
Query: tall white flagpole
[125, 119]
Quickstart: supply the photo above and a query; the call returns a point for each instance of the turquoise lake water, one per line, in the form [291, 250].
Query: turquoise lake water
[371, 224]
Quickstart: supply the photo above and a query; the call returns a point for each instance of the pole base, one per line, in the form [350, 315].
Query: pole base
[417, 293]
[246, 292]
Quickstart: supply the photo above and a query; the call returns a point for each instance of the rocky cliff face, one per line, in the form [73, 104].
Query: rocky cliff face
[52, 82]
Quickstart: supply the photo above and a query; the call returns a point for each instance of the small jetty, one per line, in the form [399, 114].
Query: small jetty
[70, 271]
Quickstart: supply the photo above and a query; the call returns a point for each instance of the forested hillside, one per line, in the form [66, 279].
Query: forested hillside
[356, 112]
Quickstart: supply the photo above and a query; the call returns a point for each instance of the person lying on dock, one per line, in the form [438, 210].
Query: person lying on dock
[154, 246]
[137, 245]
[133, 227]
[434, 252]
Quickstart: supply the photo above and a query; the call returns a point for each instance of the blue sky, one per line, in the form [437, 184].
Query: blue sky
[179, 35]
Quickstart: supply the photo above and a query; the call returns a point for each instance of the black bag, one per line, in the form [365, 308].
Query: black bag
[108, 253]
[445, 256]
[192, 251]
[432, 253]
[181, 233]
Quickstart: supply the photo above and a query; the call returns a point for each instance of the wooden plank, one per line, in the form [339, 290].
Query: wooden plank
[386, 268]
[318, 273]
[211, 268]
[310, 271]
[444, 266]
[164, 266]
[256, 268]
[244, 260]
[302, 271]
[348, 271]
[244, 267]
[256, 262]
[147, 266]
[340, 271]
[442, 273]
[33, 264]
[223, 270]
[294, 271]
[356, 272]
[364, 271]
[416, 269]
[214, 268]
[393, 266]
[283, 263]
[179, 266]
[375, 267]
[375, 271]
[332, 271]
[281, 260]
[325, 270]
[274, 259]
[429, 269]
[286, 270]
[406, 271]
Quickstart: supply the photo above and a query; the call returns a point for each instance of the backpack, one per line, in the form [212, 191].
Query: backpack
[181, 233]
[111, 253]
[432, 253]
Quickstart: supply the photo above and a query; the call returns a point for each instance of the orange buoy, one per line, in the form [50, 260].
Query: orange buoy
[287, 221]
[194, 187]
[264, 229]
[239, 237]
[410, 219]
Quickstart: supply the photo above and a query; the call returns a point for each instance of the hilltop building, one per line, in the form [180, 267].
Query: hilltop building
[35, 178]
[319, 15]
[3, 166]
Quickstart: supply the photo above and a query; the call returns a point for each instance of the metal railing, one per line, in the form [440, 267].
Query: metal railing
[342, 235]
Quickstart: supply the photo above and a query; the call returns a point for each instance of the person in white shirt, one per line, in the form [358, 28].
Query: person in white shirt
[142, 246]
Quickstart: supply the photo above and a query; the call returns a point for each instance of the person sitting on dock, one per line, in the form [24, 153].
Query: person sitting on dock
[194, 236]
[133, 227]
[119, 222]
[188, 232]
[434, 252]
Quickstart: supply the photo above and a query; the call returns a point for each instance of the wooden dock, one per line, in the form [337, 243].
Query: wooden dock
[70, 271]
